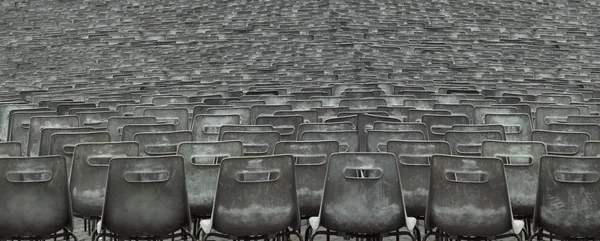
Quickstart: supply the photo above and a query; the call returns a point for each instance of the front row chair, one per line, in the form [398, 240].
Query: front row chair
[255, 199]
[468, 198]
[362, 198]
[567, 206]
[35, 200]
[146, 198]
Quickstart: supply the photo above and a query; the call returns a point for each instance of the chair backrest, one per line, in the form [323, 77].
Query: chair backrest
[546, 115]
[437, 125]
[37, 123]
[255, 143]
[304, 104]
[116, 123]
[348, 140]
[176, 116]
[46, 138]
[89, 169]
[326, 113]
[414, 158]
[567, 186]
[416, 115]
[482, 111]
[202, 163]
[522, 164]
[266, 110]
[592, 129]
[311, 158]
[398, 112]
[10, 149]
[250, 128]
[468, 143]
[335, 126]
[243, 186]
[458, 109]
[362, 104]
[377, 139]
[242, 112]
[5, 110]
[96, 119]
[136, 185]
[206, 127]
[481, 127]
[479, 183]
[286, 125]
[591, 148]
[562, 143]
[19, 126]
[35, 193]
[517, 127]
[373, 175]
[161, 143]
[308, 116]
[130, 130]
[64, 143]
[363, 122]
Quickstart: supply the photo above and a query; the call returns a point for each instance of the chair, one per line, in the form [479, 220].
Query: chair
[87, 183]
[565, 206]
[468, 197]
[591, 148]
[255, 143]
[167, 115]
[311, 158]
[36, 196]
[521, 164]
[437, 125]
[336, 126]
[161, 143]
[348, 140]
[481, 127]
[266, 110]
[97, 119]
[206, 127]
[116, 123]
[592, 129]
[252, 180]
[398, 112]
[377, 139]
[63, 144]
[247, 128]
[286, 125]
[242, 112]
[482, 111]
[37, 123]
[308, 116]
[553, 114]
[46, 138]
[10, 149]
[415, 115]
[145, 198]
[19, 126]
[518, 127]
[421, 104]
[468, 143]
[362, 104]
[458, 109]
[363, 122]
[562, 143]
[326, 113]
[130, 130]
[377, 211]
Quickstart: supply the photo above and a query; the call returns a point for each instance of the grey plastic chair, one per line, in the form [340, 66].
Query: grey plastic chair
[363, 122]
[266, 110]
[336, 126]
[564, 207]
[37, 123]
[546, 115]
[286, 125]
[421, 104]
[240, 210]
[415, 115]
[130, 130]
[518, 127]
[458, 109]
[311, 158]
[35, 194]
[46, 137]
[206, 127]
[19, 126]
[87, 183]
[377, 139]
[437, 125]
[326, 113]
[458, 185]
[255, 143]
[591, 148]
[10, 149]
[97, 119]
[63, 144]
[378, 211]
[161, 143]
[304, 104]
[242, 112]
[592, 129]
[468, 143]
[116, 123]
[362, 104]
[137, 185]
[562, 143]
[308, 116]
[482, 111]
[5, 110]
[414, 159]
[202, 163]
[250, 128]
[481, 127]
[398, 112]
[176, 116]
[522, 163]
[348, 140]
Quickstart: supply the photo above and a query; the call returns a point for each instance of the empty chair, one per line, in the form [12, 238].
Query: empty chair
[401, 126]
[250, 128]
[252, 180]
[459, 185]
[415, 115]
[9, 149]
[286, 125]
[176, 116]
[437, 125]
[592, 129]
[63, 144]
[255, 143]
[87, 182]
[377, 139]
[378, 211]
[116, 123]
[161, 143]
[308, 116]
[482, 111]
[37, 123]
[304, 104]
[584, 119]
[326, 113]
[398, 112]
[591, 148]
[206, 127]
[362, 104]
[421, 104]
[562, 143]
[97, 119]
[136, 185]
[522, 163]
[202, 163]
[19, 126]
[130, 130]
[335, 126]
[348, 140]
[480, 127]
[546, 115]
[468, 143]
[266, 110]
[311, 159]
[36, 196]
[46, 137]
[517, 127]
[5, 111]
[458, 109]
[242, 112]
[363, 122]
[564, 207]
[414, 158]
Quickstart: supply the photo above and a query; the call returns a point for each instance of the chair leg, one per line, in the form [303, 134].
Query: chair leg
[312, 237]
[427, 236]
[297, 235]
[533, 235]
[417, 233]
[308, 231]
[69, 233]
[186, 233]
